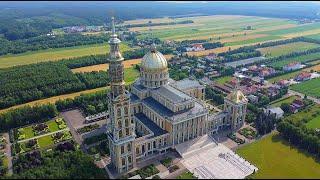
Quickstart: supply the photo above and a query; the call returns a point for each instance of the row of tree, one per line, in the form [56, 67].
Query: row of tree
[300, 136]
[46, 42]
[215, 95]
[157, 24]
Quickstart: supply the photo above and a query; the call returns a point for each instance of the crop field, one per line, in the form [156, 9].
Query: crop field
[216, 26]
[287, 48]
[275, 158]
[311, 87]
[302, 59]
[55, 54]
[278, 103]
[297, 29]
[255, 40]
[314, 36]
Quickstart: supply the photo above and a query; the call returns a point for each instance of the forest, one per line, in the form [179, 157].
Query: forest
[46, 42]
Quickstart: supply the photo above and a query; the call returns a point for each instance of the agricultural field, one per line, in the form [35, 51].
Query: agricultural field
[297, 29]
[301, 59]
[255, 40]
[310, 88]
[216, 26]
[275, 158]
[278, 103]
[314, 36]
[55, 54]
[287, 48]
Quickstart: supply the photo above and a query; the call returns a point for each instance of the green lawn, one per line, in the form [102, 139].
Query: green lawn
[45, 141]
[28, 131]
[278, 103]
[287, 48]
[53, 126]
[222, 80]
[302, 59]
[55, 54]
[275, 158]
[314, 123]
[186, 175]
[311, 87]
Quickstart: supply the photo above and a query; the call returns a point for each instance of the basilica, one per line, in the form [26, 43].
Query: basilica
[160, 113]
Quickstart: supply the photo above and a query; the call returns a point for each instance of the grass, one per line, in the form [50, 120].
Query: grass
[186, 175]
[28, 131]
[275, 158]
[53, 126]
[310, 88]
[45, 141]
[222, 80]
[314, 123]
[278, 103]
[301, 59]
[130, 75]
[314, 36]
[284, 76]
[55, 54]
[287, 48]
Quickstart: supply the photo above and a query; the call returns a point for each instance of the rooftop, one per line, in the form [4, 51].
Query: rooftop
[157, 131]
[165, 112]
[172, 94]
[186, 84]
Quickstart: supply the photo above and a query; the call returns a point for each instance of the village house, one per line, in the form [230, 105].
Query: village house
[296, 105]
[277, 111]
[303, 76]
[283, 83]
[211, 57]
[292, 66]
[195, 47]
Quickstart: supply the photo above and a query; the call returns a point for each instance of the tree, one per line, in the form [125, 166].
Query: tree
[285, 107]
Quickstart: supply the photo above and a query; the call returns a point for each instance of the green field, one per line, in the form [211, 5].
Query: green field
[314, 123]
[314, 36]
[302, 59]
[310, 88]
[275, 158]
[300, 28]
[53, 126]
[55, 54]
[278, 103]
[45, 141]
[249, 41]
[28, 131]
[222, 80]
[287, 48]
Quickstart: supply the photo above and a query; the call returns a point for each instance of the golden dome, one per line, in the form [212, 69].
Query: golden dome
[154, 61]
[237, 96]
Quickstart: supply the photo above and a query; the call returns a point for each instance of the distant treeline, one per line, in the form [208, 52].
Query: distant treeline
[46, 42]
[158, 24]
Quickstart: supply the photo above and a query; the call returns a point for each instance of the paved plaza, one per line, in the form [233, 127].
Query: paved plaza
[210, 160]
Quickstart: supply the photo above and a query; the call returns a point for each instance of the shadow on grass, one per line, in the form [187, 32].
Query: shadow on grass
[277, 138]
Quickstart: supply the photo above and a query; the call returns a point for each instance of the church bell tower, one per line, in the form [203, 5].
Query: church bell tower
[121, 126]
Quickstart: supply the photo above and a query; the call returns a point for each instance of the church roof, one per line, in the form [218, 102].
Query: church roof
[237, 96]
[153, 61]
[157, 131]
[186, 84]
[172, 94]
